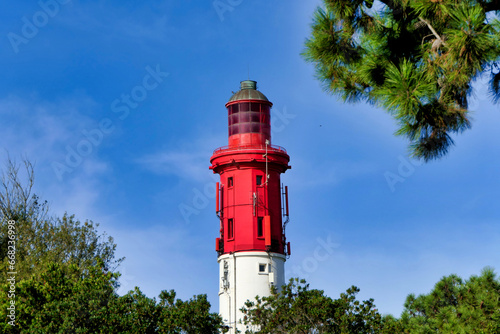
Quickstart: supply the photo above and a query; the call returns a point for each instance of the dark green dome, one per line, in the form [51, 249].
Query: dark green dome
[248, 91]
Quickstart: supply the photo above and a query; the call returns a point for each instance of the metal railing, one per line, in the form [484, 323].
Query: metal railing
[270, 148]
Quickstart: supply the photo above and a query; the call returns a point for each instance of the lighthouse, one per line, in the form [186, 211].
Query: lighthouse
[251, 204]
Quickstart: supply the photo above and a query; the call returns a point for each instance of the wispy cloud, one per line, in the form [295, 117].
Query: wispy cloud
[188, 161]
[39, 130]
[182, 164]
[160, 257]
[328, 172]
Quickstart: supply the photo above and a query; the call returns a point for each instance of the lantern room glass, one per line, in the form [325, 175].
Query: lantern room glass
[249, 117]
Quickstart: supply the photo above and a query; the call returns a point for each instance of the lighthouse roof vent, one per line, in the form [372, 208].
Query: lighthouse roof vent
[248, 91]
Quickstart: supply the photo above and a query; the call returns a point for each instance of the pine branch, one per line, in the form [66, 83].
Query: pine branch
[432, 30]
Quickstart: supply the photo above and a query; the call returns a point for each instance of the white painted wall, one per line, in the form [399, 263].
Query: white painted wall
[240, 280]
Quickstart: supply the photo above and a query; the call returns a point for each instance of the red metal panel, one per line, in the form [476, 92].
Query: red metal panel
[221, 201]
[267, 230]
[217, 198]
[286, 199]
[249, 139]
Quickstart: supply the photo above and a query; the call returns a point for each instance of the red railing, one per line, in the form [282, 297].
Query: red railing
[270, 148]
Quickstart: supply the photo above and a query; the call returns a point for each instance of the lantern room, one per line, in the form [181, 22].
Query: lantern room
[249, 116]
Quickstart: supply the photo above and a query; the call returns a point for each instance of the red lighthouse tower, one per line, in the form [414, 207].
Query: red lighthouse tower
[251, 205]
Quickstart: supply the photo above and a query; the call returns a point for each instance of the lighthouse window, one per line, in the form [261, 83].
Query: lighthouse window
[245, 127]
[255, 107]
[233, 109]
[262, 267]
[254, 117]
[255, 128]
[234, 129]
[245, 117]
[230, 228]
[266, 129]
[230, 182]
[245, 106]
[264, 118]
[260, 226]
[234, 119]
[259, 180]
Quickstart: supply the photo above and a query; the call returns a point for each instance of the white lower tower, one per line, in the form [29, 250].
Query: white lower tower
[243, 276]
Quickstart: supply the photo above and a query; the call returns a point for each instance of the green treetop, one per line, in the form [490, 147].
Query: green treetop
[417, 59]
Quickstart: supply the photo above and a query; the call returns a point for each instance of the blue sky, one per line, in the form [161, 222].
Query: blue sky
[86, 71]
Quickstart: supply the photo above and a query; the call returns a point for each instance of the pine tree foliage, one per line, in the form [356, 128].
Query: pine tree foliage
[65, 298]
[417, 59]
[456, 306]
[296, 309]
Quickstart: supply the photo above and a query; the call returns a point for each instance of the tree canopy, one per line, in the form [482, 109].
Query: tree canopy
[41, 237]
[418, 59]
[296, 309]
[456, 306]
[58, 275]
[453, 306]
[64, 298]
